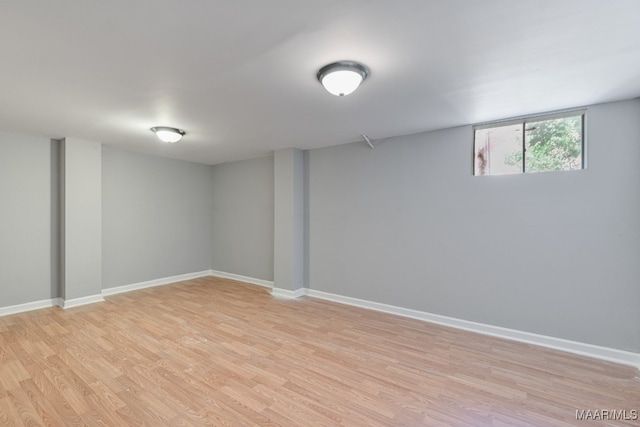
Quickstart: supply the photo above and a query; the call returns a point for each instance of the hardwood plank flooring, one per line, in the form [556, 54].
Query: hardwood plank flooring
[214, 352]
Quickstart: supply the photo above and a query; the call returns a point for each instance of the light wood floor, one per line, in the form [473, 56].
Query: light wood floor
[216, 352]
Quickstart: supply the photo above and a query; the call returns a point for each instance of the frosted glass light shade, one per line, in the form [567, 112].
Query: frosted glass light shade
[167, 134]
[341, 83]
[343, 77]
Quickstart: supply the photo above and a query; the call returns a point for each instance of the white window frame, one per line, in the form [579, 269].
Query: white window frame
[532, 118]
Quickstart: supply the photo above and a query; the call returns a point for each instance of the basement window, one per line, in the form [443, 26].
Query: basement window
[535, 144]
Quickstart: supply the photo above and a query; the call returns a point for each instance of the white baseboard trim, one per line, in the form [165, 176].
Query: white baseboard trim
[76, 302]
[583, 349]
[155, 282]
[48, 303]
[287, 294]
[589, 350]
[29, 306]
[245, 279]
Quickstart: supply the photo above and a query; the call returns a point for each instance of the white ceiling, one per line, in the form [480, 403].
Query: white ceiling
[240, 75]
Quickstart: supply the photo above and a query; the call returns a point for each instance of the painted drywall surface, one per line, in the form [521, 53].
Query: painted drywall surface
[288, 219]
[556, 254]
[27, 271]
[242, 218]
[81, 218]
[156, 217]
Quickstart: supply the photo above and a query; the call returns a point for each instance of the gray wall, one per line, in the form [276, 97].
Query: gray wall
[405, 224]
[27, 232]
[552, 253]
[242, 219]
[156, 217]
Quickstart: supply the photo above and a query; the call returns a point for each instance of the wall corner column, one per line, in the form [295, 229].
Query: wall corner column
[80, 222]
[288, 257]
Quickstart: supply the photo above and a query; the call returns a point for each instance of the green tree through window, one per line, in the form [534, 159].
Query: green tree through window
[551, 145]
[530, 145]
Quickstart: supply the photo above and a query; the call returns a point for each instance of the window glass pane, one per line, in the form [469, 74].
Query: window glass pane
[498, 150]
[553, 145]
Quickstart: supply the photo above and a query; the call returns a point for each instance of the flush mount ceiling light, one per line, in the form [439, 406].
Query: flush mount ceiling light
[342, 77]
[168, 134]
